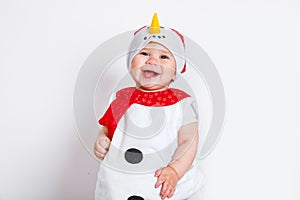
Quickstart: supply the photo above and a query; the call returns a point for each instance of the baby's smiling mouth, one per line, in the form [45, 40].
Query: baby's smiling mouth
[147, 73]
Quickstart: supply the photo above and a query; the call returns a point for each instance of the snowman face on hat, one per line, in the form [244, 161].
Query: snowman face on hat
[153, 67]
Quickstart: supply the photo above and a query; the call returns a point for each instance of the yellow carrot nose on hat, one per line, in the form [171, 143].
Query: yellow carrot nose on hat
[167, 37]
[154, 28]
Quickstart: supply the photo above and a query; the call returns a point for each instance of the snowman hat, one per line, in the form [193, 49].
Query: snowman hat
[169, 38]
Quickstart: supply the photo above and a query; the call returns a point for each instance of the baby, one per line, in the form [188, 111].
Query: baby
[149, 134]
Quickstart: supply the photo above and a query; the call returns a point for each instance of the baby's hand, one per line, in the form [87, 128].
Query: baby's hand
[168, 178]
[101, 146]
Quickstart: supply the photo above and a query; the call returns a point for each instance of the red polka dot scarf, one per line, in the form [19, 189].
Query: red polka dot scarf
[128, 96]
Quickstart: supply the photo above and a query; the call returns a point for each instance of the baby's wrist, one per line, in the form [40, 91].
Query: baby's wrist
[174, 169]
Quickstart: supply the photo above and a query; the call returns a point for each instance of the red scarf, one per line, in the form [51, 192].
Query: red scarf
[128, 96]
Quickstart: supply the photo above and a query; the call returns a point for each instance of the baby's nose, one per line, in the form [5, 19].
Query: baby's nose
[152, 61]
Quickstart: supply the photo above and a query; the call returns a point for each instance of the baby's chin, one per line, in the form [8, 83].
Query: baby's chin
[152, 87]
[153, 83]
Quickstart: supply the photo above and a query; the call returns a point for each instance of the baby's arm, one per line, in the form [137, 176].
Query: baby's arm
[181, 161]
[102, 144]
[186, 150]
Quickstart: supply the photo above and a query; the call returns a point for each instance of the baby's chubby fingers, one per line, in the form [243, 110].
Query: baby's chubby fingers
[99, 151]
[99, 155]
[171, 192]
[101, 147]
[103, 142]
[160, 180]
[158, 172]
[166, 189]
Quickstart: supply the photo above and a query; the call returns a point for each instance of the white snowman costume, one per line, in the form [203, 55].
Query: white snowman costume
[143, 128]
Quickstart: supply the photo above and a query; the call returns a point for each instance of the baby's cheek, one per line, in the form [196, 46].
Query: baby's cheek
[170, 72]
[136, 61]
[135, 75]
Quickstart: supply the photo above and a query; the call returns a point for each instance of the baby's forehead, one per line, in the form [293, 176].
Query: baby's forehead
[156, 46]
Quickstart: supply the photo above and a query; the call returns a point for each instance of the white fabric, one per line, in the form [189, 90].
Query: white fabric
[118, 179]
[197, 195]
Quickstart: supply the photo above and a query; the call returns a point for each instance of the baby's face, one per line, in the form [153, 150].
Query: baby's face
[153, 68]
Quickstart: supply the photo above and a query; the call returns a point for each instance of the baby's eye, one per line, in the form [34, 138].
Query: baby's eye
[144, 53]
[164, 57]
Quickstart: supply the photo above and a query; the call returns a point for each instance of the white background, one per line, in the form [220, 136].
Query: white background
[255, 46]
